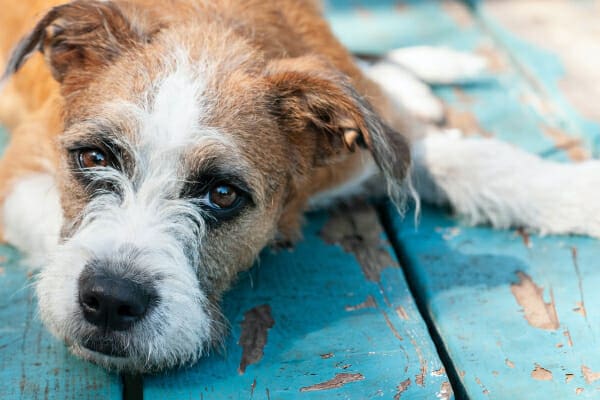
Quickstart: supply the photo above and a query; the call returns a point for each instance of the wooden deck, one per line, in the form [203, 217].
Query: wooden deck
[367, 306]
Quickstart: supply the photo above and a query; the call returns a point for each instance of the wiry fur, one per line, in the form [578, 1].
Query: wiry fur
[256, 91]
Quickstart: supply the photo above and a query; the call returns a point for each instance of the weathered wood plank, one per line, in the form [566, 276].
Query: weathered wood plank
[555, 44]
[514, 311]
[517, 313]
[507, 104]
[331, 319]
[33, 365]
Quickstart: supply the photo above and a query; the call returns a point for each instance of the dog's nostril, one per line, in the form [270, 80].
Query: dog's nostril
[129, 311]
[113, 303]
[90, 302]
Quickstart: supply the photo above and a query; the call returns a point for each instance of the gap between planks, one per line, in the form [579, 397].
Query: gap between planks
[384, 212]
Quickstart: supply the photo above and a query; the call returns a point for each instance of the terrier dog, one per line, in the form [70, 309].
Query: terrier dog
[157, 146]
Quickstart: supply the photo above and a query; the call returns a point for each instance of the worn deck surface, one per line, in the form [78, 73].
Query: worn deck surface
[513, 315]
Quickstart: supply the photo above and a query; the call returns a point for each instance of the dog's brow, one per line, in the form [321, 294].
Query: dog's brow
[88, 134]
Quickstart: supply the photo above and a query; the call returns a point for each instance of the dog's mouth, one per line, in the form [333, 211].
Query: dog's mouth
[105, 346]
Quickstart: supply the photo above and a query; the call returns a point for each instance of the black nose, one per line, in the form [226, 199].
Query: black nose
[112, 303]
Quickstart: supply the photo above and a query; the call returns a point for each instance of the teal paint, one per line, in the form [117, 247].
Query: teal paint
[309, 291]
[463, 275]
[34, 365]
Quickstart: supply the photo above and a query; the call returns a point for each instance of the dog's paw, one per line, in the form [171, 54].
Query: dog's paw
[439, 65]
[406, 91]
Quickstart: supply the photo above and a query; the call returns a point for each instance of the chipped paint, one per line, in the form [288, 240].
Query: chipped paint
[569, 377]
[578, 391]
[525, 236]
[589, 375]
[567, 334]
[571, 145]
[359, 233]
[401, 388]
[438, 372]
[541, 374]
[420, 377]
[537, 312]
[465, 121]
[257, 321]
[326, 356]
[509, 363]
[391, 326]
[445, 392]
[368, 303]
[337, 381]
[581, 303]
[401, 312]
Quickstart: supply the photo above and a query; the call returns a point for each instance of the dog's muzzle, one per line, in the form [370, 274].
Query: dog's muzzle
[111, 303]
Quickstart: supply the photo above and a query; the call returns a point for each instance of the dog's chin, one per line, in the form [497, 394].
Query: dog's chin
[119, 362]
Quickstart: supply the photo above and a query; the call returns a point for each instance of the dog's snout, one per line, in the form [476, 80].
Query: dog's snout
[113, 303]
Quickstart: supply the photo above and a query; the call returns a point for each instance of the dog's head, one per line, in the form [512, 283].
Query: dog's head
[185, 151]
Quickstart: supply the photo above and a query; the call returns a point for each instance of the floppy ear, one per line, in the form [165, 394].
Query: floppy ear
[310, 97]
[76, 39]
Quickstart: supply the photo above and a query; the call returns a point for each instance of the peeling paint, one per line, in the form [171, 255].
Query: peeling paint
[359, 233]
[567, 334]
[571, 145]
[401, 312]
[401, 388]
[465, 121]
[589, 375]
[326, 356]
[578, 391]
[368, 303]
[541, 374]
[445, 392]
[569, 377]
[509, 363]
[537, 312]
[420, 377]
[525, 236]
[391, 326]
[439, 372]
[257, 321]
[337, 381]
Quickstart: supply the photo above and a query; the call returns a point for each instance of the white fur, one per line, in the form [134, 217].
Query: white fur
[406, 91]
[32, 217]
[352, 187]
[488, 181]
[439, 65]
[165, 232]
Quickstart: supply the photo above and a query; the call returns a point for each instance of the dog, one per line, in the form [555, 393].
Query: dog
[158, 146]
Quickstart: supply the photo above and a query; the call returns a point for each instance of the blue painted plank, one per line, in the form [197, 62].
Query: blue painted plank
[517, 314]
[506, 104]
[33, 365]
[544, 69]
[331, 324]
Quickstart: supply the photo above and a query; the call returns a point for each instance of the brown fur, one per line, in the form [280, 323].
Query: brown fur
[289, 96]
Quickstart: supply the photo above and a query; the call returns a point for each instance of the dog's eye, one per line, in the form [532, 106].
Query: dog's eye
[92, 158]
[223, 196]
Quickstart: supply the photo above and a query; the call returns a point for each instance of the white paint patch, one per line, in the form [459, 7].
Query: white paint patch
[33, 217]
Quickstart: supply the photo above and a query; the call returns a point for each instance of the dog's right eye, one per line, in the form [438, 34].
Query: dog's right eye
[92, 158]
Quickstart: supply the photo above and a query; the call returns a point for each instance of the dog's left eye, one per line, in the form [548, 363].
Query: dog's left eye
[92, 158]
[223, 196]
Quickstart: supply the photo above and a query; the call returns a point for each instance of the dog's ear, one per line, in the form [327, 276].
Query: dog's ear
[312, 98]
[77, 38]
